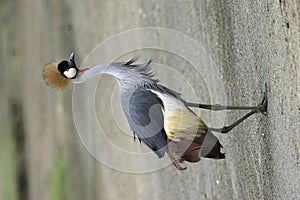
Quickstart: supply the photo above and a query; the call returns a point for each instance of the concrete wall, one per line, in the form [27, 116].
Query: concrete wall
[251, 43]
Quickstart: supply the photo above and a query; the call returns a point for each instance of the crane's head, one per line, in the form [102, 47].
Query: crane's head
[68, 68]
[61, 75]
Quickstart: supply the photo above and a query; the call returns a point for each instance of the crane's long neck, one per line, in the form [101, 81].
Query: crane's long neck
[92, 72]
[127, 77]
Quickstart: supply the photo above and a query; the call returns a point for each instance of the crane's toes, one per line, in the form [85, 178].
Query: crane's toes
[263, 107]
[176, 161]
[178, 166]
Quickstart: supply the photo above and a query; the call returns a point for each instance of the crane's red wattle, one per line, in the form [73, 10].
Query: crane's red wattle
[81, 71]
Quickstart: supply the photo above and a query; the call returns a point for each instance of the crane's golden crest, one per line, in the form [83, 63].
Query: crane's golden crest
[54, 78]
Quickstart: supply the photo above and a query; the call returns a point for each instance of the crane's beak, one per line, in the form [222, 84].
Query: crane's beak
[71, 61]
[72, 64]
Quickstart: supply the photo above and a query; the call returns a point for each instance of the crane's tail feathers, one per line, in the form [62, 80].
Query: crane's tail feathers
[211, 146]
[207, 146]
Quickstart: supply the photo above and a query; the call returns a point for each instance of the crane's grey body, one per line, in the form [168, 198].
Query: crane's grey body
[160, 118]
[143, 108]
[144, 111]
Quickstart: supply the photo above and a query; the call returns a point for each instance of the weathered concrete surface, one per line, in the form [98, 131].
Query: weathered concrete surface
[252, 43]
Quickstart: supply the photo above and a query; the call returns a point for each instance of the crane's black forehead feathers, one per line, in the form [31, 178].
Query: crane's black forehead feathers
[62, 66]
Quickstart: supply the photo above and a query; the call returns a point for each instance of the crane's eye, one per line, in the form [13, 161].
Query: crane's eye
[70, 73]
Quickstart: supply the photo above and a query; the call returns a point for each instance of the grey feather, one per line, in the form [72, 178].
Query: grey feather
[143, 110]
[134, 59]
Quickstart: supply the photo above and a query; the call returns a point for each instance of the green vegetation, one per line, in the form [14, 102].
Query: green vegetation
[8, 185]
[58, 179]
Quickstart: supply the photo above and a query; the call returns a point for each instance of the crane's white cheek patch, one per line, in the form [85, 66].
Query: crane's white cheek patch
[70, 73]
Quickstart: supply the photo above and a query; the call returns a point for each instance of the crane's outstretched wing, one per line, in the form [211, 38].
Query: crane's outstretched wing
[144, 112]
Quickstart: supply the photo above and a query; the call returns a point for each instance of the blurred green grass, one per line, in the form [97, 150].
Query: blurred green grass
[8, 184]
[57, 185]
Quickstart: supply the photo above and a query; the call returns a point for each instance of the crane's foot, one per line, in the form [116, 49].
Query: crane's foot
[263, 107]
[176, 161]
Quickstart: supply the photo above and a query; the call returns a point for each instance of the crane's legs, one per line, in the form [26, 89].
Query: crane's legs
[262, 107]
[226, 129]
[218, 107]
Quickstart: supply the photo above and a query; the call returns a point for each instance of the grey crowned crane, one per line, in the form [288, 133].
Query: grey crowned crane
[157, 115]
